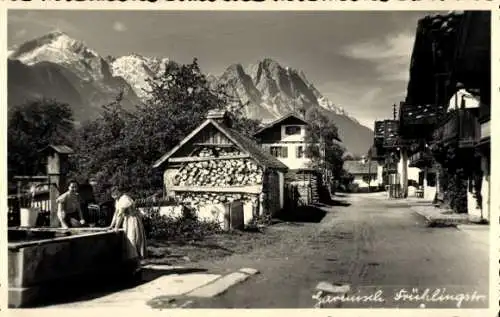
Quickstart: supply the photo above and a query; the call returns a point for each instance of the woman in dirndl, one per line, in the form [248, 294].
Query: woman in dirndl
[128, 218]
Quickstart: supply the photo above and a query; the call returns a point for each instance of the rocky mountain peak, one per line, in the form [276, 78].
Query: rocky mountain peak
[59, 48]
[267, 88]
[137, 69]
[55, 46]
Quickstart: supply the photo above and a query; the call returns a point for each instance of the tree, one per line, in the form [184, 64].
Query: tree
[321, 139]
[31, 127]
[121, 146]
[104, 152]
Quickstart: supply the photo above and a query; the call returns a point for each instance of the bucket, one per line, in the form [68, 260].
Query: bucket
[29, 217]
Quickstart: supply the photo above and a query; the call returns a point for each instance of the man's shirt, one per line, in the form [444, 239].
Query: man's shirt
[70, 202]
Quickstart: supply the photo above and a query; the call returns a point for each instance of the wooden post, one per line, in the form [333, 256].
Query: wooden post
[404, 172]
[227, 216]
[438, 183]
[369, 172]
[57, 169]
[54, 192]
[19, 194]
[424, 183]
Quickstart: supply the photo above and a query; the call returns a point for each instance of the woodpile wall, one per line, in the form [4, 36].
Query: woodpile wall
[221, 175]
[220, 172]
[306, 186]
[199, 199]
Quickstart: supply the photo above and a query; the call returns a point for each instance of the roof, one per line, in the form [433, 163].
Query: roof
[358, 167]
[434, 47]
[61, 149]
[278, 121]
[243, 142]
[256, 151]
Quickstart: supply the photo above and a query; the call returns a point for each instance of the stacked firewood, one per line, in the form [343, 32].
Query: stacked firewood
[201, 199]
[222, 171]
[217, 173]
[218, 152]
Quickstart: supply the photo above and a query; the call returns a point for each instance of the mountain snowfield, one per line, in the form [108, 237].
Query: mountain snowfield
[58, 47]
[61, 67]
[137, 69]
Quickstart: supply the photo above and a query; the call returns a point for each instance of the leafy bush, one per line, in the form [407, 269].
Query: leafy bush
[186, 227]
[456, 167]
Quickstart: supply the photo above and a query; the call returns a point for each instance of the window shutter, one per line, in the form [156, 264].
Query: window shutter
[297, 151]
[284, 151]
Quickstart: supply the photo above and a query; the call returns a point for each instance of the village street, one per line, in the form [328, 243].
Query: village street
[371, 243]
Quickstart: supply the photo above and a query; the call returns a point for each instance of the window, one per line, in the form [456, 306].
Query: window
[431, 179]
[292, 130]
[279, 151]
[300, 151]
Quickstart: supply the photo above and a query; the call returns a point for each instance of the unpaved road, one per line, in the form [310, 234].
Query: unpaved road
[373, 245]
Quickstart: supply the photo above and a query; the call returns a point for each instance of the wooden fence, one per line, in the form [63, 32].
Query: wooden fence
[39, 200]
[292, 196]
[98, 215]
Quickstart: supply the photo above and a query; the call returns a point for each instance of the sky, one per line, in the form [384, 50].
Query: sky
[359, 59]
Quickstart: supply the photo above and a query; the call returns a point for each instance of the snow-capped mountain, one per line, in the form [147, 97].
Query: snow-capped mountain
[58, 66]
[276, 89]
[57, 47]
[57, 58]
[271, 90]
[137, 70]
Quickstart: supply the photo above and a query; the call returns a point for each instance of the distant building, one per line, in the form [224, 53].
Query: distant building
[366, 173]
[285, 139]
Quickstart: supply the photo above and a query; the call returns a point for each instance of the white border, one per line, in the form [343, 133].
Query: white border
[269, 5]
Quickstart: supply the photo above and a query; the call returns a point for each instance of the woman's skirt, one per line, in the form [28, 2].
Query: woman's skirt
[136, 236]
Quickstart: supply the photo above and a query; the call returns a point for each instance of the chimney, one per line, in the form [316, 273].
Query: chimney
[220, 116]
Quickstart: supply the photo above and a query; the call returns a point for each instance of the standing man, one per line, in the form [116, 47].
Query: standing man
[69, 210]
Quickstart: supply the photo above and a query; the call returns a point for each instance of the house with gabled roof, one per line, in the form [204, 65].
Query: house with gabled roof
[216, 165]
[286, 139]
[365, 173]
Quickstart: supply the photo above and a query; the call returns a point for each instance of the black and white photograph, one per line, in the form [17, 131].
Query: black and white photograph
[249, 159]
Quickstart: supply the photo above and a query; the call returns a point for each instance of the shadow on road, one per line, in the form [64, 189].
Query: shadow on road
[335, 202]
[75, 291]
[310, 213]
[150, 274]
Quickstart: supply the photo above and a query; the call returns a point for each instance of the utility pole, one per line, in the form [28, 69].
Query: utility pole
[394, 111]
[369, 170]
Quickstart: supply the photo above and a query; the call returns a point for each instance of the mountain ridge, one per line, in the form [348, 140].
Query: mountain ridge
[268, 89]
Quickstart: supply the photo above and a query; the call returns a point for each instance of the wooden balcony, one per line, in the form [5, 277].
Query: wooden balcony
[379, 129]
[391, 143]
[484, 112]
[421, 159]
[386, 134]
[461, 126]
[391, 134]
[416, 121]
[485, 137]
